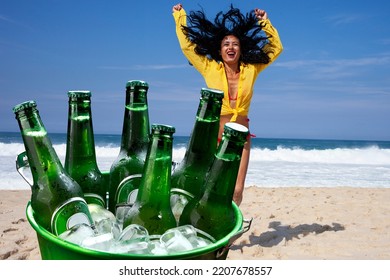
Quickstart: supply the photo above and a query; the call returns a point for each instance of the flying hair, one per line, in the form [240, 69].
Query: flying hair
[207, 35]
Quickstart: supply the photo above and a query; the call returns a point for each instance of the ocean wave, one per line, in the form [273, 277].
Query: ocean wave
[371, 155]
[281, 167]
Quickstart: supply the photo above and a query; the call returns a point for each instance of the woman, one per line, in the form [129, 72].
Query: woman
[229, 53]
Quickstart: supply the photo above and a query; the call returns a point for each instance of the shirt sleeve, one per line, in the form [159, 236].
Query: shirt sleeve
[274, 46]
[200, 62]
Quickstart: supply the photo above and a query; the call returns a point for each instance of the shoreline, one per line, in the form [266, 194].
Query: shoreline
[295, 223]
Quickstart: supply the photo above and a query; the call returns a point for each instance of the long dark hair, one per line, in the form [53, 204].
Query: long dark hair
[207, 35]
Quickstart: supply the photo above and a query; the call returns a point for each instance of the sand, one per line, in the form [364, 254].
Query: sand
[287, 224]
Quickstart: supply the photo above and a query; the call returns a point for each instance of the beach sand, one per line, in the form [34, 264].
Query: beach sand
[287, 224]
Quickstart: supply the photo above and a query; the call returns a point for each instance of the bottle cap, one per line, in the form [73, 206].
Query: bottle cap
[79, 93]
[214, 93]
[236, 130]
[136, 83]
[162, 128]
[24, 105]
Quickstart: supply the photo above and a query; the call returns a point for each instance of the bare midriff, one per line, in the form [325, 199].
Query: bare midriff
[226, 118]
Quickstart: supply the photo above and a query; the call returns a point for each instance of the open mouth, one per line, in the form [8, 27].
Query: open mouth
[231, 54]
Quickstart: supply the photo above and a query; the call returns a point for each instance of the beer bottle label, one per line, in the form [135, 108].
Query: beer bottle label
[72, 212]
[92, 198]
[128, 189]
[182, 193]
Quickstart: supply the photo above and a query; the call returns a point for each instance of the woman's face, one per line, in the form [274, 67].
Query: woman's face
[230, 49]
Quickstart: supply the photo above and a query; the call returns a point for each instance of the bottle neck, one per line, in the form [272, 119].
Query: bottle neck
[203, 141]
[156, 180]
[135, 132]
[209, 108]
[222, 176]
[80, 148]
[42, 158]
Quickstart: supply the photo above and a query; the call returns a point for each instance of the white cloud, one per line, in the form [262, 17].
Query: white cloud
[385, 41]
[365, 61]
[8, 20]
[342, 19]
[3, 18]
[336, 69]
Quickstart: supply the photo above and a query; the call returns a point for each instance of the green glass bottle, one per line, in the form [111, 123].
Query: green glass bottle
[57, 199]
[134, 144]
[151, 208]
[80, 158]
[214, 212]
[188, 176]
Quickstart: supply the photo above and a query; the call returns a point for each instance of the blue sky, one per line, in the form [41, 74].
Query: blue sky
[331, 81]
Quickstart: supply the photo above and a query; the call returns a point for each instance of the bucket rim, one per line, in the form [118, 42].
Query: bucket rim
[89, 253]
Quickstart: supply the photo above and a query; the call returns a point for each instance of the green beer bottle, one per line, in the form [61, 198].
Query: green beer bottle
[80, 158]
[134, 145]
[57, 199]
[188, 176]
[214, 212]
[151, 208]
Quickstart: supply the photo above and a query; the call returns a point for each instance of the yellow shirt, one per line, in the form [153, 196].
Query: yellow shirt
[214, 72]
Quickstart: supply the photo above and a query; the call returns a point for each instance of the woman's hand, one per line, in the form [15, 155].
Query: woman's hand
[261, 14]
[177, 7]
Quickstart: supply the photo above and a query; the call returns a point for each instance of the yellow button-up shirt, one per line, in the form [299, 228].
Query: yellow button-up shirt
[213, 71]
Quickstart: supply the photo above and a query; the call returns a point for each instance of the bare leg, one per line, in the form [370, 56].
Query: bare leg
[240, 182]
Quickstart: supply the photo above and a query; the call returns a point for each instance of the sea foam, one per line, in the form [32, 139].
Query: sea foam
[367, 166]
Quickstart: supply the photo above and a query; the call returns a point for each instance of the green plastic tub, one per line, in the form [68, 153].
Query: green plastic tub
[54, 248]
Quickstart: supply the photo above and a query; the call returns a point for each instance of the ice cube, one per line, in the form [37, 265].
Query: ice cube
[187, 230]
[116, 230]
[134, 233]
[174, 241]
[199, 242]
[178, 202]
[77, 233]
[121, 212]
[101, 242]
[99, 213]
[131, 248]
[156, 247]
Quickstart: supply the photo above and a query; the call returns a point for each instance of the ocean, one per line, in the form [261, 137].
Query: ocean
[273, 162]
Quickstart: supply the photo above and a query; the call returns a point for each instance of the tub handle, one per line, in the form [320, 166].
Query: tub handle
[246, 226]
[21, 165]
